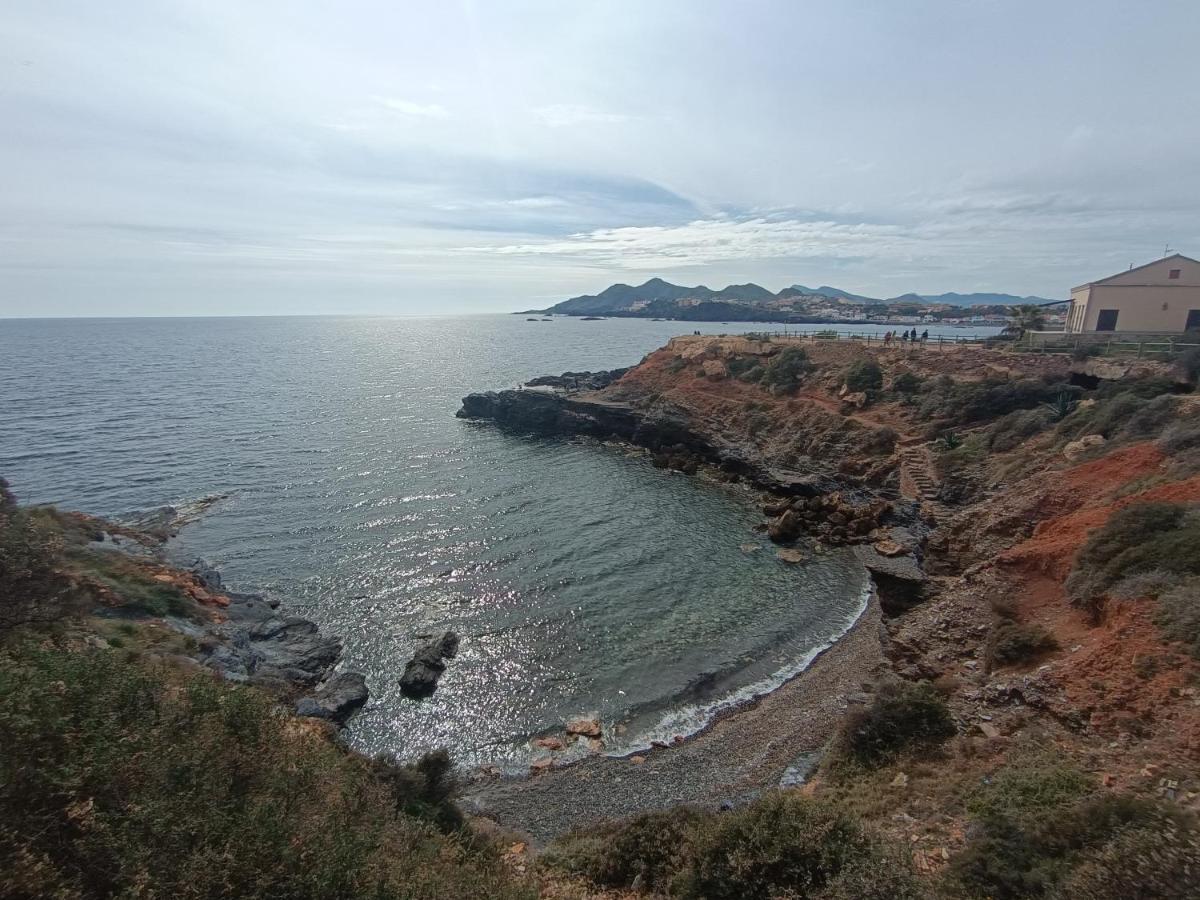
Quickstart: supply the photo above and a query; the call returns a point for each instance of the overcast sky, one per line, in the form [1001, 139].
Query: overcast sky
[176, 157]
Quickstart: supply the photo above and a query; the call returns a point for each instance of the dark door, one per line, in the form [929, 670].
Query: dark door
[1107, 320]
[1193, 320]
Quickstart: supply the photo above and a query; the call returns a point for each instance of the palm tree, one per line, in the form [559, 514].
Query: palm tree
[1021, 319]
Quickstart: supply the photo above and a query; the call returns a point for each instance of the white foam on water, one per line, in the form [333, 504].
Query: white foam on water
[692, 718]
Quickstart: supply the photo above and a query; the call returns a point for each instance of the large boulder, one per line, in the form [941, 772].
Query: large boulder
[421, 673]
[337, 699]
[786, 528]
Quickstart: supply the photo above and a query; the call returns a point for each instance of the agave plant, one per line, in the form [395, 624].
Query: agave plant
[950, 441]
[1062, 406]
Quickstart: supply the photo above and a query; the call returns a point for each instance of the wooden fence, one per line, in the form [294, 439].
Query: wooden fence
[870, 337]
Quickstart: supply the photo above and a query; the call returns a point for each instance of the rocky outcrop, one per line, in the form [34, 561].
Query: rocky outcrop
[336, 700]
[254, 643]
[667, 433]
[899, 581]
[833, 517]
[578, 381]
[421, 673]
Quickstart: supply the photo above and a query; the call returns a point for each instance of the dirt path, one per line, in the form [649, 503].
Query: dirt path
[735, 759]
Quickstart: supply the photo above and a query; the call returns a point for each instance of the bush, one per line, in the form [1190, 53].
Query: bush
[676, 365]
[1188, 364]
[1014, 429]
[1037, 831]
[906, 383]
[1140, 538]
[33, 585]
[1151, 418]
[1146, 388]
[1155, 854]
[787, 369]
[967, 402]
[1141, 585]
[1086, 351]
[1012, 643]
[786, 845]
[901, 717]
[745, 368]
[121, 779]
[1180, 437]
[656, 845]
[864, 375]
[781, 845]
[1178, 614]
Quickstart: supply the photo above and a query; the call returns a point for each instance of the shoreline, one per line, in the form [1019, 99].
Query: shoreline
[741, 752]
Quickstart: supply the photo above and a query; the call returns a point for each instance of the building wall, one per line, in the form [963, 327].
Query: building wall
[1148, 299]
[1078, 311]
[1142, 308]
[1158, 273]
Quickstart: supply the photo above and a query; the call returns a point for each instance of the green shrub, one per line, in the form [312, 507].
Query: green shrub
[902, 716]
[967, 402]
[787, 369]
[1014, 429]
[1141, 585]
[1038, 831]
[786, 845]
[1145, 388]
[1151, 418]
[1178, 614]
[781, 845]
[1155, 854]
[745, 368]
[1011, 643]
[1086, 351]
[906, 383]
[676, 365]
[864, 375]
[122, 779]
[655, 845]
[1188, 364]
[1140, 538]
[1180, 437]
[33, 585]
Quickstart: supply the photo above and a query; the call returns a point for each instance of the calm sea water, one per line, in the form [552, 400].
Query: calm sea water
[580, 578]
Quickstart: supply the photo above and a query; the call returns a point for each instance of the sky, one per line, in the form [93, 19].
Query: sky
[204, 157]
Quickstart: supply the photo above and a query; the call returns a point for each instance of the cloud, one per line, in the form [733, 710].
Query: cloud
[410, 108]
[564, 115]
[709, 241]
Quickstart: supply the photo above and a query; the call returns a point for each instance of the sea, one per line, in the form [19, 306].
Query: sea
[580, 579]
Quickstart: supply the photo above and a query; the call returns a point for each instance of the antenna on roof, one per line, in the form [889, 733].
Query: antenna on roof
[1167, 249]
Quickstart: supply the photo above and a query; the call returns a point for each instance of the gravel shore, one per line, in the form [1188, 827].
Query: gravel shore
[733, 760]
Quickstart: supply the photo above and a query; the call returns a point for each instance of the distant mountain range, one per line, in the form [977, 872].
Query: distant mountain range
[659, 298]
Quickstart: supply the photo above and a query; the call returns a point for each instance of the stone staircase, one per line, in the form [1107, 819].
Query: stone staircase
[917, 468]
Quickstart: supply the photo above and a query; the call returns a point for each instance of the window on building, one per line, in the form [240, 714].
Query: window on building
[1193, 320]
[1107, 320]
[1174, 273]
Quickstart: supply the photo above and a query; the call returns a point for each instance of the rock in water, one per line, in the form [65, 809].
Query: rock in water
[421, 673]
[584, 726]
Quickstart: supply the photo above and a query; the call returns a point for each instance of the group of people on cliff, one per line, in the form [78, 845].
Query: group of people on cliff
[906, 336]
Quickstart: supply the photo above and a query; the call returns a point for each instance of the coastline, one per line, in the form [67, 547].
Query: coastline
[742, 752]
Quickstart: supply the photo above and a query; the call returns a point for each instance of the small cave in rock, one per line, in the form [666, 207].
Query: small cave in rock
[1085, 381]
[897, 595]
